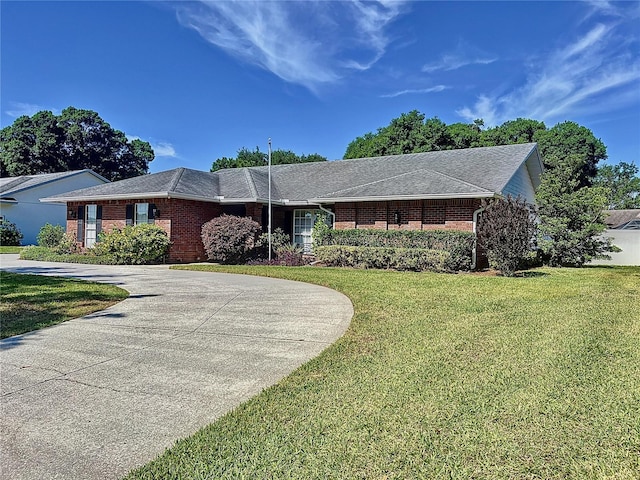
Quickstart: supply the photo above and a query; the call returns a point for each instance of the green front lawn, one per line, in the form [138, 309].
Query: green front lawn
[10, 249]
[446, 376]
[31, 302]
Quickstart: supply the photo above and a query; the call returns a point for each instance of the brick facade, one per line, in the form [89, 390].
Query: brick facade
[453, 214]
[183, 219]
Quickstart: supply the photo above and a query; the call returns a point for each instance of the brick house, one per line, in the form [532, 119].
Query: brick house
[419, 191]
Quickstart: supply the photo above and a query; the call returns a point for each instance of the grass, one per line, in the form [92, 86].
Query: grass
[9, 249]
[31, 302]
[445, 377]
[45, 254]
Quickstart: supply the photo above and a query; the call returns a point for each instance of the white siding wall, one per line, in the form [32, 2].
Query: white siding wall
[30, 214]
[520, 184]
[629, 242]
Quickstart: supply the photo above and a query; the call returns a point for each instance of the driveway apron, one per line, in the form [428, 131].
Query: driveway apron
[99, 395]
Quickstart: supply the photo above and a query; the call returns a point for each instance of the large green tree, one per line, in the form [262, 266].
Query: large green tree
[622, 183]
[257, 158]
[520, 130]
[409, 133]
[464, 135]
[74, 140]
[571, 215]
[413, 133]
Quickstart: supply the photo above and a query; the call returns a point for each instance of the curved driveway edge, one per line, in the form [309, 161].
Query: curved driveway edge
[99, 395]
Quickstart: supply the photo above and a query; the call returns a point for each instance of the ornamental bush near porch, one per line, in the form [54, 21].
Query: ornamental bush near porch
[230, 239]
[134, 245]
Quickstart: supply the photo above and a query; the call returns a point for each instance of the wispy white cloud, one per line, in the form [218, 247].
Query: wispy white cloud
[18, 109]
[161, 149]
[463, 55]
[435, 89]
[311, 43]
[592, 74]
[164, 149]
[619, 9]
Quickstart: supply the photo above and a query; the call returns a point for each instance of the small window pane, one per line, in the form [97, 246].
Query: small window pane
[90, 232]
[142, 213]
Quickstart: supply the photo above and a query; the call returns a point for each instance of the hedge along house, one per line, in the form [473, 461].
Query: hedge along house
[420, 191]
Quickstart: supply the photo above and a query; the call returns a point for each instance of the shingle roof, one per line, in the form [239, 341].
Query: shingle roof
[469, 172]
[12, 185]
[619, 218]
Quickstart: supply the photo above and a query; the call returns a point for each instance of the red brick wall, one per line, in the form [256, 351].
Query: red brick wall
[181, 219]
[187, 217]
[455, 214]
[345, 215]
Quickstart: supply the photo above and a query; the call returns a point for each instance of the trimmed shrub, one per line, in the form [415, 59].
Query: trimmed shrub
[50, 235]
[67, 245]
[134, 245]
[458, 245]
[279, 240]
[49, 255]
[284, 252]
[506, 230]
[290, 255]
[230, 239]
[10, 234]
[415, 259]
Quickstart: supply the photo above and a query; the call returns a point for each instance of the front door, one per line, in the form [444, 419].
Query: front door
[303, 222]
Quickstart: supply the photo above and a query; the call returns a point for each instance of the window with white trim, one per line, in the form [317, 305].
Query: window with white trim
[303, 222]
[141, 213]
[90, 225]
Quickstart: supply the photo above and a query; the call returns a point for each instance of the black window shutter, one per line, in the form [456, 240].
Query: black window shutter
[150, 217]
[98, 219]
[80, 232]
[129, 215]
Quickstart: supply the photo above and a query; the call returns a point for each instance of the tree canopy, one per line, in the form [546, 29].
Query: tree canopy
[622, 184]
[413, 133]
[571, 216]
[248, 158]
[74, 140]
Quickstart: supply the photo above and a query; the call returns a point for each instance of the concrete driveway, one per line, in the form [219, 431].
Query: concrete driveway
[97, 396]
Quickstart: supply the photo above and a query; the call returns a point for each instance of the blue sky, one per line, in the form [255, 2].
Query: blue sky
[200, 80]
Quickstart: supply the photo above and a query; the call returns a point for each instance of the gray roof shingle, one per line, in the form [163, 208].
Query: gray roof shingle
[619, 218]
[468, 172]
[11, 185]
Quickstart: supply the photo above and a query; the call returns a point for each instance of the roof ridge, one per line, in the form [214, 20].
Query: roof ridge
[176, 179]
[413, 172]
[250, 183]
[414, 154]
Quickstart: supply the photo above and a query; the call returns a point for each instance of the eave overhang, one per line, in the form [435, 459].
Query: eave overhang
[168, 195]
[388, 198]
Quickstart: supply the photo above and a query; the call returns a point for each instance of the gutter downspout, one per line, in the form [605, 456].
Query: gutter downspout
[474, 250]
[333, 215]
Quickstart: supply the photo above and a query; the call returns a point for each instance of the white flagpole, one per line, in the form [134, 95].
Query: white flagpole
[269, 222]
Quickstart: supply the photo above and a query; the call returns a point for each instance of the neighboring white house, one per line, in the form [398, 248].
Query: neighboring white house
[20, 199]
[624, 232]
